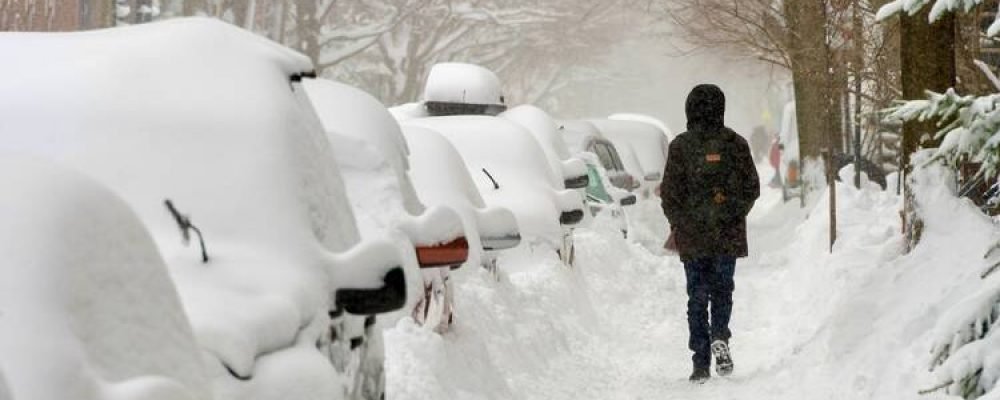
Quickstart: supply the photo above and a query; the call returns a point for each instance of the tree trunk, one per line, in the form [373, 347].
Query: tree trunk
[809, 55]
[99, 14]
[194, 7]
[927, 62]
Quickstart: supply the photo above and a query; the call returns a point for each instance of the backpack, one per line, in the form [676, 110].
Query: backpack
[713, 177]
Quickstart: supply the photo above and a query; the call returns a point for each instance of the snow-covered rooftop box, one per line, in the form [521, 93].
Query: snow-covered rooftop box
[463, 85]
[203, 113]
[88, 311]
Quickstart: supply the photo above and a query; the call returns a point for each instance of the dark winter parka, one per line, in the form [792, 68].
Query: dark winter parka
[710, 182]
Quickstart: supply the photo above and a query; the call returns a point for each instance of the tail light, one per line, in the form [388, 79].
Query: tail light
[451, 254]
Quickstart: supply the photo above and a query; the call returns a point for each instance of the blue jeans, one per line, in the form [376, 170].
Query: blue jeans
[709, 284]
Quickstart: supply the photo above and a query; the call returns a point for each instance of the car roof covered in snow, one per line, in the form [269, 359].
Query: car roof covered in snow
[494, 140]
[462, 84]
[202, 113]
[349, 111]
[646, 141]
[438, 171]
[87, 304]
[578, 134]
[495, 149]
[544, 128]
[644, 118]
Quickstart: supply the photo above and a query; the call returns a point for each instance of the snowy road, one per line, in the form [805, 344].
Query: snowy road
[615, 327]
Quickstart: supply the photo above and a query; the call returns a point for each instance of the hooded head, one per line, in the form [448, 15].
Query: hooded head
[706, 108]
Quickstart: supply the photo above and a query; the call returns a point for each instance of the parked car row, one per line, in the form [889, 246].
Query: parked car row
[253, 219]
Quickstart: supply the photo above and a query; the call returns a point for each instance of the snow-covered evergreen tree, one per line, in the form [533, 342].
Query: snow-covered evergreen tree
[965, 352]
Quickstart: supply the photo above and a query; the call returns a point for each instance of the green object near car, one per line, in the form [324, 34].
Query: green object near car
[595, 188]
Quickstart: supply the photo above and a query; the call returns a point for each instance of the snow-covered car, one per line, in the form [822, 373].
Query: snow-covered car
[647, 142]
[512, 172]
[442, 178]
[582, 136]
[373, 158]
[647, 119]
[545, 129]
[512, 168]
[789, 168]
[89, 311]
[203, 129]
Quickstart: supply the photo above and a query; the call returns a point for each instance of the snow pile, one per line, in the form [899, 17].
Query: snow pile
[87, 310]
[964, 347]
[856, 323]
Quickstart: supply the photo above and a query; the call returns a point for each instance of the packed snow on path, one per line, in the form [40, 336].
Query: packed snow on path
[853, 324]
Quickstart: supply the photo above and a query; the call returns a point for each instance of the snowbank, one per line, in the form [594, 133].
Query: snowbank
[858, 322]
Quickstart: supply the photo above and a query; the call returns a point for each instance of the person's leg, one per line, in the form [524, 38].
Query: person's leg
[722, 286]
[698, 273]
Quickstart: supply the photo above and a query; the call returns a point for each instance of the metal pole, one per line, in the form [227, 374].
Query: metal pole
[828, 160]
[858, 70]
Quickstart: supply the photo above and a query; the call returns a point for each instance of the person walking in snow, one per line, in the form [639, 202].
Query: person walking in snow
[709, 186]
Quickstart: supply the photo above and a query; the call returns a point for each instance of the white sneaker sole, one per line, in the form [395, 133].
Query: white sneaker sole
[723, 360]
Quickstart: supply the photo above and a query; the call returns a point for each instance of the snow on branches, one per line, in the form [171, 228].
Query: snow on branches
[970, 127]
[940, 7]
[964, 357]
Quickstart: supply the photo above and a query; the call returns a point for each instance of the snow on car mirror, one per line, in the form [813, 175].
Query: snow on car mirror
[574, 172]
[390, 297]
[571, 217]
[371, 277]
[577, 182]
[498, 229]
[185, 225]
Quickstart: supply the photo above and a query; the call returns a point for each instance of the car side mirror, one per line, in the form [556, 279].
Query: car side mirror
[571, 217]
[390, 297]
[628, 200]
[577, 182]
[653, 177]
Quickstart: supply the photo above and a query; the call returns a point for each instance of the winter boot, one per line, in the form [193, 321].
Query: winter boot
[723, 361]
[700, 375]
